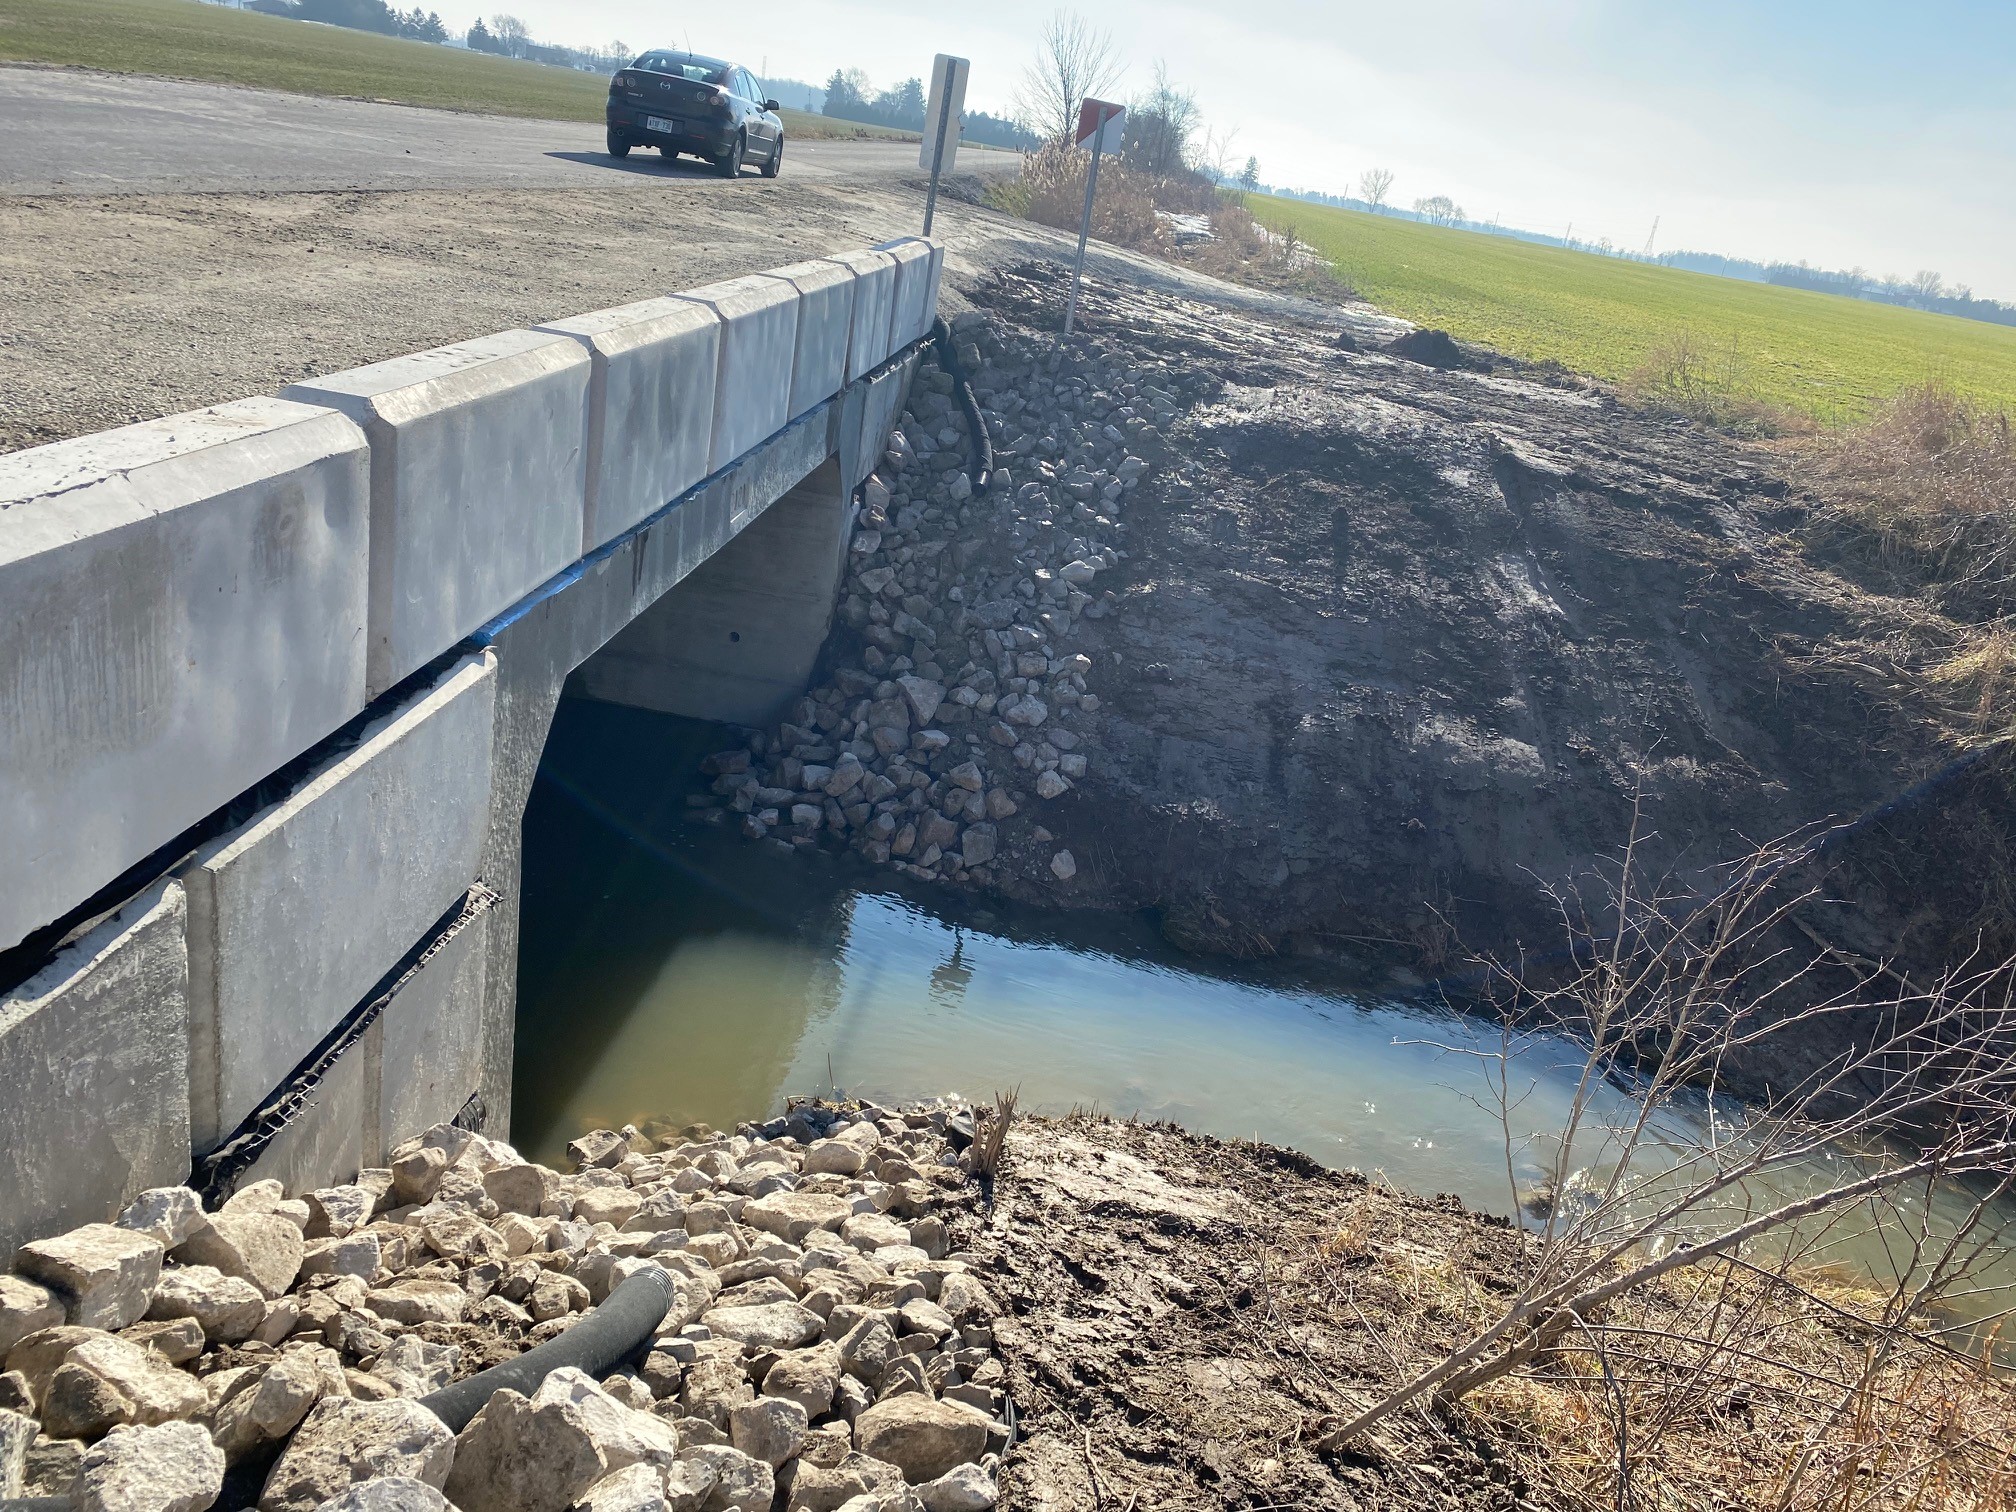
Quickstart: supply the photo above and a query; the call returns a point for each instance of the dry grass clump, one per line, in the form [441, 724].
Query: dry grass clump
[1691, 376]
[991, 1140]
[1926, 490]
[1051, 191]
[1719, 1386]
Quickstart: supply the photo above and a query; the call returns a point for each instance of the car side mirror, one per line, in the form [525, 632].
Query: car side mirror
[772, 105]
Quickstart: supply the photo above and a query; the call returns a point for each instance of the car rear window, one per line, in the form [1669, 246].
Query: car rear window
[681, 66]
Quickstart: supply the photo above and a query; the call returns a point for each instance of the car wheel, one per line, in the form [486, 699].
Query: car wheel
[729, 164]
[776, 163]
[619, 147]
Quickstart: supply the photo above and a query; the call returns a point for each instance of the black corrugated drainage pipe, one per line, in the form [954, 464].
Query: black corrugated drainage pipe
[981, 467]
[597, 1344]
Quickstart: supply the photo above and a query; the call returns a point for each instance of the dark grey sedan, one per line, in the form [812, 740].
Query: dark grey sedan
[681, 102]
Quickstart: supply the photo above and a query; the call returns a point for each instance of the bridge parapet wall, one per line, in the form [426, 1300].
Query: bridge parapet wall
[243, 658]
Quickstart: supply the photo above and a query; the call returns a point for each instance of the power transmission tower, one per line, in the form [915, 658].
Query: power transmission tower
[1652, 236]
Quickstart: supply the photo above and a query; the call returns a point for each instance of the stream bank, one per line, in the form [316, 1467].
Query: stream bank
[1318, 649]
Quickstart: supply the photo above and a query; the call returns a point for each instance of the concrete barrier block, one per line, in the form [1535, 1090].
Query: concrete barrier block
[914, 302]
[650, 407]
[874, 297]
[478, 483]
[825, 324]
[759, 343]
[871, 418]
[295, 917]
[94, 1074]
[433, 1038]
[182, 606]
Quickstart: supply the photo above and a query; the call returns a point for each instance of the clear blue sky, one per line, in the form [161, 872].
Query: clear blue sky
[1845, 133]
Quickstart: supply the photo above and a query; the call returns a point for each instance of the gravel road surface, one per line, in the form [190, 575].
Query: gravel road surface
[73, 132]
[148, 295]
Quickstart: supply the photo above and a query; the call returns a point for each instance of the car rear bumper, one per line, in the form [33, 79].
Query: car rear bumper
[709, 137]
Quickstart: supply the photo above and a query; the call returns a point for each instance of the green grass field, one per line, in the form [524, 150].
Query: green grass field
[1822, 355]
[182, 39]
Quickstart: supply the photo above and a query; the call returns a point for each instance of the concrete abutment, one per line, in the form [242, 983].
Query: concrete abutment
[261, 922]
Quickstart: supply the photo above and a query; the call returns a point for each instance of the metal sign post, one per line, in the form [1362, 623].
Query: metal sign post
[1102, 124]
[944, 116]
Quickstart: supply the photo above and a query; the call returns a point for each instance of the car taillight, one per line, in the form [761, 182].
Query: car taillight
[621, 81]
[720, 105]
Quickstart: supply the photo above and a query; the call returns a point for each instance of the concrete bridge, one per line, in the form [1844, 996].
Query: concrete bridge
[276, 676]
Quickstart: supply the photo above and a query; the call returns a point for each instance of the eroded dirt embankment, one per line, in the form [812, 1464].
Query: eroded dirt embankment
[1401, 642]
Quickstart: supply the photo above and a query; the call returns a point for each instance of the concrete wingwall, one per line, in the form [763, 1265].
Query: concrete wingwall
[275, 679]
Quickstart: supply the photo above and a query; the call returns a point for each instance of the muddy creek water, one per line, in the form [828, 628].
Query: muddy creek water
[676, 971]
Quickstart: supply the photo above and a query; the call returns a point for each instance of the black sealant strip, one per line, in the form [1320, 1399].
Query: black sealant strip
[34, 953]
[216, 1175]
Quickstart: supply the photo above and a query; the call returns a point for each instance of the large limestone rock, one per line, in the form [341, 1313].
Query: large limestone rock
[17, 1432]
[25, 1307]
[344, 1441]
[420, 1301]
[103, 1273]
[108, 1382]
[688, 1484]
[274, 1406]
[514, 1457]
[922, 1438]
[172, 1467]
[741, 1483]
[264, 1248]
[807, 1377]
[793, 1215]
[634, 1488]
[768, 1325]
[715, 1386]
[390, 1493]
[833, 1157]
[770, 1429]
[37, 1358]
[522, 1188]
[821, 1488]
[967, 1488]
[168, 1215]
[226, 1308]
[867, 1348]
[622, 1435]
[413, 1367]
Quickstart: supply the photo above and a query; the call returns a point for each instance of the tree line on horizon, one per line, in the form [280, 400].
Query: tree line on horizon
[849, 96]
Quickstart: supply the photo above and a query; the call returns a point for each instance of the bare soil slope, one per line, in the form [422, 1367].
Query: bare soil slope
[1400, 642]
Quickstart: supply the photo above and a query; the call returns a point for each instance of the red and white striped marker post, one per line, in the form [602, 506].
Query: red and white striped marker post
[1101, 124]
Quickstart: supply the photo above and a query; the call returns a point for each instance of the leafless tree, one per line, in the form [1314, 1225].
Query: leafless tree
[1074, 59]
[1439, 208]
[1655, 1178]
[1927, 284]
[1374, 184]
[1162, 128]
[512, 32]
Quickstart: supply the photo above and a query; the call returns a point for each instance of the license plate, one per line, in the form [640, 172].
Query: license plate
[659, 123]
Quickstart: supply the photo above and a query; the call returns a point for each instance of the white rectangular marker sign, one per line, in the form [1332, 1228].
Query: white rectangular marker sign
[944, 113]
